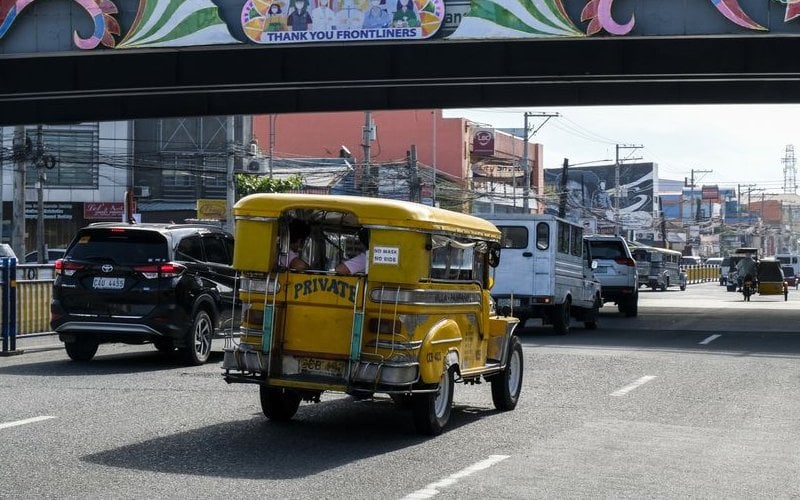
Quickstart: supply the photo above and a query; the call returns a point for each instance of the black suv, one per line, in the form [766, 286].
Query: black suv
[169, 284]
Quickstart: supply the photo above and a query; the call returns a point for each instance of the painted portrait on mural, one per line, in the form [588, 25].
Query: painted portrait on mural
[377, 16]
[298, 19]
[591, 192]
[405, 15]
[323, 16]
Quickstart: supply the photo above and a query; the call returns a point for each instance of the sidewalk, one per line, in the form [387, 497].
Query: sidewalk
[34, 342]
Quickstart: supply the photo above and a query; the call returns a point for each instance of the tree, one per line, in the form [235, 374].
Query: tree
[250, 183]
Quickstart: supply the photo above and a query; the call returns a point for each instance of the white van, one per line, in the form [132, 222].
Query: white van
[545, 271]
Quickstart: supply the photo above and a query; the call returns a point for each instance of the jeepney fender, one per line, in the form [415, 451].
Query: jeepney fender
[440, 350]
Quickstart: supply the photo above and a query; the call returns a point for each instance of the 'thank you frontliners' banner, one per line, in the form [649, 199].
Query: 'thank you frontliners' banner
[92, 24]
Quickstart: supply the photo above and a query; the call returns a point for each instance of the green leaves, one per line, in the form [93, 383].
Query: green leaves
[249, 184]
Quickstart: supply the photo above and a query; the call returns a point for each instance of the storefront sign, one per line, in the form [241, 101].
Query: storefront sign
[483, 142]
[103, 211]
[51, 211]
[212, 209]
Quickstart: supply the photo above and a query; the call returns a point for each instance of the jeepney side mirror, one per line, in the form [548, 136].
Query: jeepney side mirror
[594, 265]
[490, 283]
[494, 254]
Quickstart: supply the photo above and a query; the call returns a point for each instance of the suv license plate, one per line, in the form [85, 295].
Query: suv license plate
[601, 270]
[326, 367]
[108, 283]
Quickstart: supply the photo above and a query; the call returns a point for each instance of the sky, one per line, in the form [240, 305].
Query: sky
[739, 144]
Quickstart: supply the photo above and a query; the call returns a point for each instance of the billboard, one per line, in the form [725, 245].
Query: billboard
[592, 192]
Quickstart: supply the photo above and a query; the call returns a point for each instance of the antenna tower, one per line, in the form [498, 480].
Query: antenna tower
[789, 171]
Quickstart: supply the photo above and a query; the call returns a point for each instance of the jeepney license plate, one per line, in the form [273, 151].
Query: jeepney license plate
[108, 283]
[326, 367]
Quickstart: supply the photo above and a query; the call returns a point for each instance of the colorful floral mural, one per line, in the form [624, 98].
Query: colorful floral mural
[176, 23]
[546, 18]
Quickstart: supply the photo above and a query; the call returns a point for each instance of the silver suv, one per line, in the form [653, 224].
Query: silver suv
[616, 272]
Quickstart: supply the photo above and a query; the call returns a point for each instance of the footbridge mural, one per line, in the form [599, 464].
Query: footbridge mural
[92, 59]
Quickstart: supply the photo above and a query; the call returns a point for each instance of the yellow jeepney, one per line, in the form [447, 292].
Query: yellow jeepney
[418, 319]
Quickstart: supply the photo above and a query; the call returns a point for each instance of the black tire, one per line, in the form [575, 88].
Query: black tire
[164, 345]
[593, 315]
[402, 401]
[507, 385]
[630, 306]
[665, 285]
[198, 342]
[278, 403]
[81, 349]
[432, 411]
[562, 317]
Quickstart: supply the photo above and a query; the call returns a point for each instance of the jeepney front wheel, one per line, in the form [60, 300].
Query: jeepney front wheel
[278, 403]
[507, 384]
[432, 411]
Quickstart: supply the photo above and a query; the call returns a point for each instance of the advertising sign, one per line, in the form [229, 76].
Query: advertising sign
[483, 142]
[103, 211]
[208, 209]
[591, 191]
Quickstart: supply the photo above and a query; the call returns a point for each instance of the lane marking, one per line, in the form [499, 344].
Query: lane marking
[710, 339]
[25, 421]
[628, 388]
[433, 488]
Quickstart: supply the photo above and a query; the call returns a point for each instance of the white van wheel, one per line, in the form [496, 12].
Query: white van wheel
[561, 317]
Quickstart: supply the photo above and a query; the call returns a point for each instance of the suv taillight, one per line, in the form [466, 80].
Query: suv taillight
[166, 270]
[66, 267]
[625, 261]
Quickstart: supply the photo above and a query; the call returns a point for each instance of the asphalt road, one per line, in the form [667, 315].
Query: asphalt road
[697, 397]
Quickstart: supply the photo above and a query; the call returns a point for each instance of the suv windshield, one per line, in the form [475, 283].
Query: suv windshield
[120, 246]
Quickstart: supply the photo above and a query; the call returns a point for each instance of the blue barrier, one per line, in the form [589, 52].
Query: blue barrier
[9, 298]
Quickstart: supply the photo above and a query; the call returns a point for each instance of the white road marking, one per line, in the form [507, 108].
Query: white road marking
[25, 421]
[628, 388]
[433, 488]
[710, 339]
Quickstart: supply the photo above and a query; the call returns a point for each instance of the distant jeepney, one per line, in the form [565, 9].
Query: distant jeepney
[417, 317]
[659, 268]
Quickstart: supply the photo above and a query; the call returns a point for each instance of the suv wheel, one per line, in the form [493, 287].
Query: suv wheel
[630, 306]
[198, 347]
[81, 350]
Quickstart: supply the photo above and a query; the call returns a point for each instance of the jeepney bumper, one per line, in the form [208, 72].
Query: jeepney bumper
[246, 360]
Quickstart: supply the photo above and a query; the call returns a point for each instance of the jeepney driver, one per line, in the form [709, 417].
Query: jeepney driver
[298, 233]
[357, 264]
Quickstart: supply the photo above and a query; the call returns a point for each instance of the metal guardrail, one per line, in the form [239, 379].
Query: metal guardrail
[26, 293]
[701, 274]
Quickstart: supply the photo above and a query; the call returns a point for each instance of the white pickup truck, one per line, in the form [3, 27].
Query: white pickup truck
[545, 271]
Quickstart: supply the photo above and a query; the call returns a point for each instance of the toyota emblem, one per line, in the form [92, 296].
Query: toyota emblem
[107, 268]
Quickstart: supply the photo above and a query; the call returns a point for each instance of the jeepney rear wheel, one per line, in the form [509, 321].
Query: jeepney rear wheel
[561, 317]
[278, 403]
[432, 410]
[507, 385]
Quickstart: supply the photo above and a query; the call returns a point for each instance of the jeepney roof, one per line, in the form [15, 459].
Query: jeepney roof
[375, 212]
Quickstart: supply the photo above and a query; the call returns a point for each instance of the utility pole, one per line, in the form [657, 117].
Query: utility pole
[433, 160]
[22, 148]
[695, 213]
[562, 197]
[366, 136]
[415, 185]
[231, 187]
[617, 187]
[526, 168]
